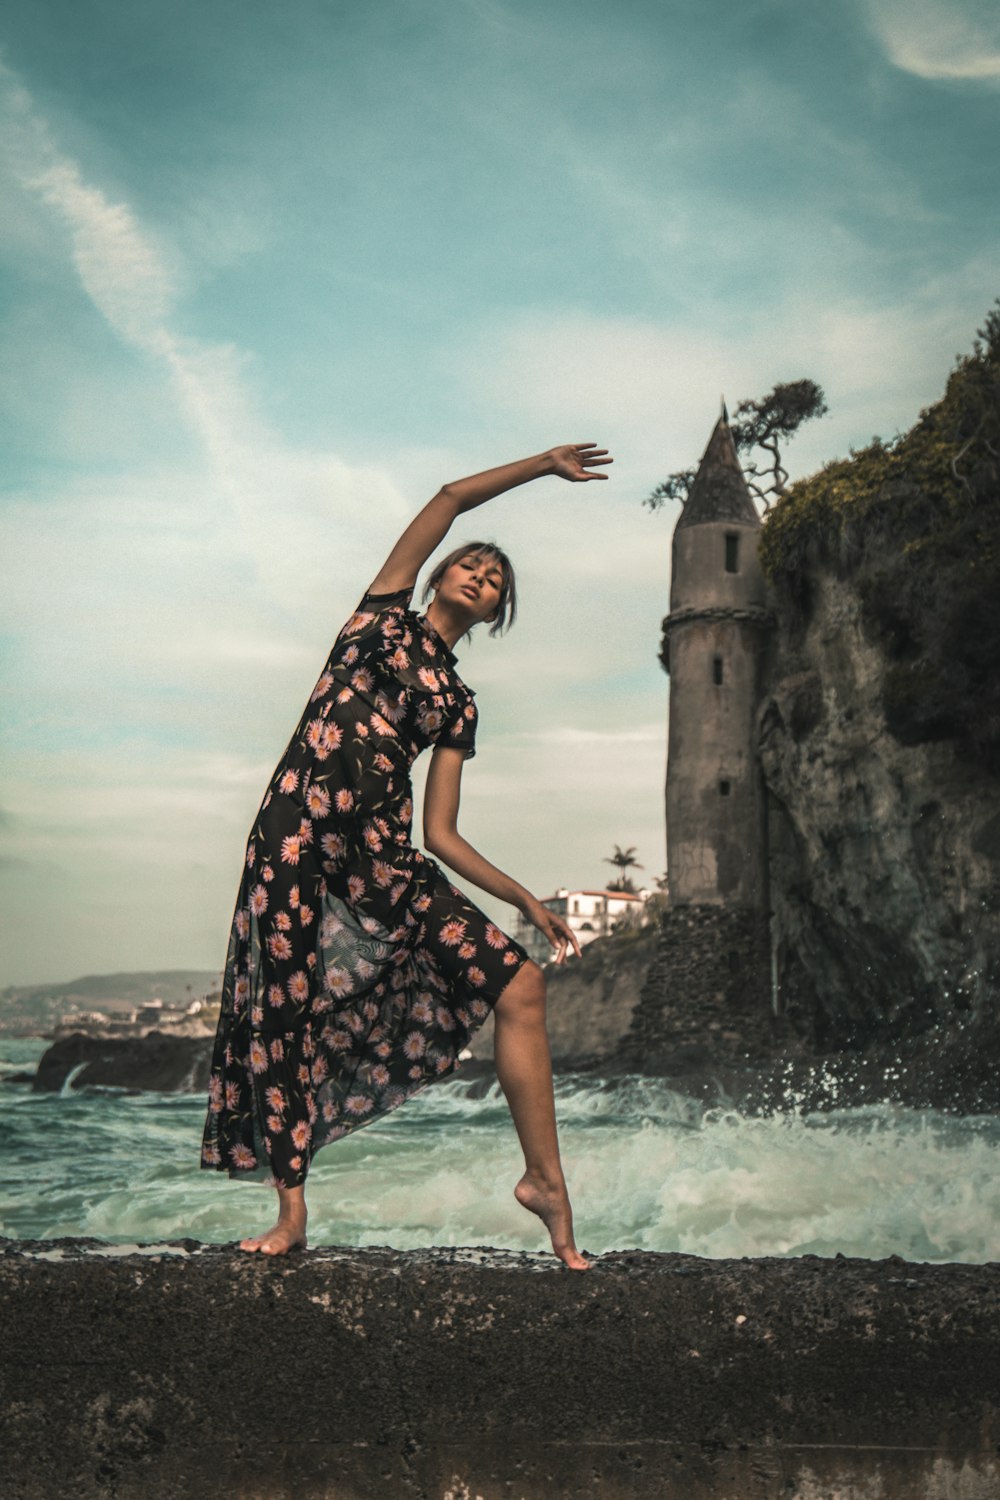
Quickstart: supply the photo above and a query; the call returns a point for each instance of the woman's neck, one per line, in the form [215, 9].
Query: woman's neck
[449, 623]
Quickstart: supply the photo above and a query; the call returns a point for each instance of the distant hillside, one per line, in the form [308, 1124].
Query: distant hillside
[37, 1007]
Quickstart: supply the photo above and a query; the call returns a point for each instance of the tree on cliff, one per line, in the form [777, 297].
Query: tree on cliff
[624, 860]
[761, 425]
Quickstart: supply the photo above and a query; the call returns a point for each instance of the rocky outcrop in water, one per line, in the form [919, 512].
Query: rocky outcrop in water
[168, 1064]
[877, 739]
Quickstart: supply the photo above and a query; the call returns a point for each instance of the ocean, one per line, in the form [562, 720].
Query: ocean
[647, 1168]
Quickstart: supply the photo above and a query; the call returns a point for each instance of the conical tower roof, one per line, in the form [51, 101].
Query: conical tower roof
[720, 491]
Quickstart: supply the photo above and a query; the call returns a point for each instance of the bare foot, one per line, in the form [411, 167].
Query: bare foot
[550, 1202]
[288, 1234]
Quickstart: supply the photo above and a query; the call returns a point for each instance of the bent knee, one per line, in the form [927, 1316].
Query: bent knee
[526, 992]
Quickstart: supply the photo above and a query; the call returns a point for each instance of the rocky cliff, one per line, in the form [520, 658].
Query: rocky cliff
[885, 857]
[879, 731]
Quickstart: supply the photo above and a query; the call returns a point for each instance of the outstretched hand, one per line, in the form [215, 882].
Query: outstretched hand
[574, 461]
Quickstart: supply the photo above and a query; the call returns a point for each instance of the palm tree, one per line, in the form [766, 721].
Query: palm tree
[623, 860]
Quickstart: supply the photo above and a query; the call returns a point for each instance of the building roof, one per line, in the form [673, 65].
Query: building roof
[618, 895]
[720, 491]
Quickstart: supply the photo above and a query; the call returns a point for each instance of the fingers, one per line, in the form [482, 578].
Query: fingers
[578, 461]
[559, 935]
[562, 937]
[569, 942]
[587, 456]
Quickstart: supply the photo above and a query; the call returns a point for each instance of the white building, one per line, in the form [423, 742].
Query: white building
[590, 915]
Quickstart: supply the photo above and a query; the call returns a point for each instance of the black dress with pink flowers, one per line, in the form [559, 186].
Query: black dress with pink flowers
[356, 972]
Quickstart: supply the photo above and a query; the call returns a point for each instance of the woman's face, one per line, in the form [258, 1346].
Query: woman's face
[475, 582]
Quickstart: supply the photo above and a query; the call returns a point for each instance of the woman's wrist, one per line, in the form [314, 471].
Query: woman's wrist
[466, 494]
[524, 901]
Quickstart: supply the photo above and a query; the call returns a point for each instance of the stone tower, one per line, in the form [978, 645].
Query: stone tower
[712, 649]
[707, 999]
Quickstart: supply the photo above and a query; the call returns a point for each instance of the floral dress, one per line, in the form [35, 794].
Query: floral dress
[356, 972]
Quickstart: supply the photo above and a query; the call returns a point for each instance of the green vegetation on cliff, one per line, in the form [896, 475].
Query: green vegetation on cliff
[915, 525]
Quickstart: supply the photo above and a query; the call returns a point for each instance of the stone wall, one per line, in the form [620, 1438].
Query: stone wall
[482, 1375]
[707, 997]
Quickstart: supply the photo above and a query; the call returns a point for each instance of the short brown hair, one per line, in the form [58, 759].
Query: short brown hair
[507, 603]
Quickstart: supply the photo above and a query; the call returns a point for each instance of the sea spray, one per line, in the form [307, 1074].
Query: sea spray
[648, 1168]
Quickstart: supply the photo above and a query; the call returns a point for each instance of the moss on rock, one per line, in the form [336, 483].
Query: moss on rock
[915, 525]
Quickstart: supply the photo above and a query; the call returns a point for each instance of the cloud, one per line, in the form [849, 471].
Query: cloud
[956, 39]
[119, 267]
[651, 390]
[135, 284]
[160, 610]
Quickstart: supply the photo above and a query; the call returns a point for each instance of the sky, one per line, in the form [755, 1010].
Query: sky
[270, 274]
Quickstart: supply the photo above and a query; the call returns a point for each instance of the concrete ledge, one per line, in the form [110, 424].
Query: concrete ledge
[190, 1371]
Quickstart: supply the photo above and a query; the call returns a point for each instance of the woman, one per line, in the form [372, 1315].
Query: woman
[356, 972]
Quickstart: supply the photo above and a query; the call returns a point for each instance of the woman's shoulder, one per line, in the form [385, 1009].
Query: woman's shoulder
[380, 600]
[376, 608]
[380, 603]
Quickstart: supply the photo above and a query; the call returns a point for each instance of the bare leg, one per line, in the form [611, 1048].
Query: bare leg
[524, 1068]
[289, 1233]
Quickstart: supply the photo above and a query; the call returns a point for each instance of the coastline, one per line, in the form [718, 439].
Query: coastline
[180, 1369]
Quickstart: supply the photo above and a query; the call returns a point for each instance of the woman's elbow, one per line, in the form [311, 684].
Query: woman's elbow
[436, 841]
[430, 840]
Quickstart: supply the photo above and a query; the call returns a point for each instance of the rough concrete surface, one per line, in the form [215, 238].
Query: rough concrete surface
[450, 1375]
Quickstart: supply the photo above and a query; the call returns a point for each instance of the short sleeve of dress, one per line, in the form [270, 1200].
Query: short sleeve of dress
[378, 602]
[460, 730]
[372, 612]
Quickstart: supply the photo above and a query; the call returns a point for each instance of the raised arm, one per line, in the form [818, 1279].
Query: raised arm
[441, 837]
[572, 461]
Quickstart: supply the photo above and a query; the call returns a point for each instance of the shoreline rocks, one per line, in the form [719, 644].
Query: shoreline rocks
[944, 1069]
[158, 1061]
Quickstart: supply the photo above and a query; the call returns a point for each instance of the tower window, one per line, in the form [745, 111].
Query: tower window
[717, 670]
[723, 788]
[732, 552]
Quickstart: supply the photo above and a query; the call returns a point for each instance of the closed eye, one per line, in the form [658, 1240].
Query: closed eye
[494, 576]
